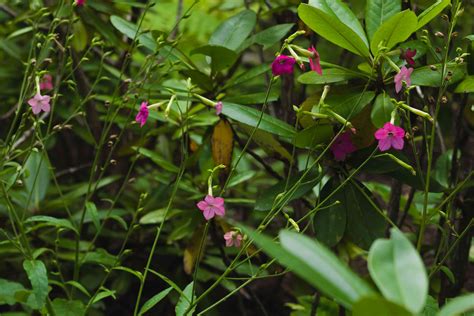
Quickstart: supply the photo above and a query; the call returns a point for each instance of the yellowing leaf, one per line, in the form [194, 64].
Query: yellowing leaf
[192, 250]
[222, 143]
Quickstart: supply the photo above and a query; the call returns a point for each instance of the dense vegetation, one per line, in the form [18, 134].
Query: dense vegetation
[233, 157]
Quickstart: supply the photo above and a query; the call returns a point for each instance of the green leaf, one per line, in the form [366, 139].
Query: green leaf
[268, 198]
[221, 57]
[104, 293]
[379, 11]
[335, 31]
[269, 36]
[330, 222]
[250, 116]
[130, 30]
[393, 31]
[315, 264]
[382, 110]
[38, 277]
[329, 75]
[160, 161]
[68, 308]
[154, 300]
[52, 221]
[349, 103]
[8, 290]
[378, 306]
[458, 306]
[184, 301]
[431, 12]
[424, 76]
[314, 135]
[233, 32]
[399, 272]
[465, 86]
[36, 176]
[340, 11]
[91, 210]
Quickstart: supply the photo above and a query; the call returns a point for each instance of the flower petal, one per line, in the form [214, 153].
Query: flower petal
[397, 143]
[202, 205]
[384, 144]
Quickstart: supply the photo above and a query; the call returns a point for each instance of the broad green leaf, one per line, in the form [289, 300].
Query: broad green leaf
[38, 277]
[431, 12]
[93, 214]
[393, 31]
[330, 222]
[8, 290]
[157, 216]
[233, 32]
[382, 110]
[425, 76]
[131, 31]
[250, 116]
[378, 306]
[398, 271]
[52, 221]
[154, 300]
[184, 301]
[36, 176]
[100, 256]
[315, 264]
[248, 75]
[104, 293]
[221, 57]
[458, 306]
[349, 104]
[269, 36]
[160, 161]
[68, 308]
[80, 39]
[333, 30]
[329, 75]
[314, 135]
[268, 198]
[340, 11]
[379, 11]
[466, 86]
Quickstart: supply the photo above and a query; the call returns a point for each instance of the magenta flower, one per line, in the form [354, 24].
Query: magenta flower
[232, 238]
[219, 106]
[314, 62]
[342, 146]
[211, 207]
[39, 103]
[403, 75]
[142, 115]
[46, 82]
[283, 65]
[390, 136]
[408, 56]
[80, 3]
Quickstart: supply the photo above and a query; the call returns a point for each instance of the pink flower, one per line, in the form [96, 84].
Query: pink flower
[142, 115]
[314, 62]
[80, 3]
[46, 82]
[219, 108]
[342, 146]
[403, 75]
[408, 56]
[39, 103]
[283, 65]
[390, 136]
[212, 206]
[232, 238]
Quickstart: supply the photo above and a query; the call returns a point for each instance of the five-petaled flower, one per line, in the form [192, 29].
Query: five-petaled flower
[314, 61]
[219, 106]
[39, 103]
[211, 207]
[408, 56]
[283, 65]
[46, 82]
[342, 146]
[232, 238]
[142, 115]
[390, 136]
[80, 3]
[403, 75]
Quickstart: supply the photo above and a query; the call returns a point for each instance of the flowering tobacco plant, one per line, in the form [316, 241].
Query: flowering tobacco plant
[340, 186]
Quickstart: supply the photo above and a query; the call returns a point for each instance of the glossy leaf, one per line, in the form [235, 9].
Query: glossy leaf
[38, 277]
[269, 36]
[315, 264]
[154, 300]
[330, 75]
[250, 116]
[184, 301]
[379, 11]
[335, 31]
[458, 306]
[378, 306]
[382, 110]
[398, 271]
[393, 31]
[424, 76]
[221, 57]
[314, 135]
[233, 32]
[465, 86]
[431, 12]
